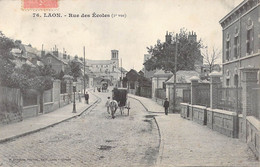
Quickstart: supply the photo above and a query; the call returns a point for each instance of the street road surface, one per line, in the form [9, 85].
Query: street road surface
[93, 139]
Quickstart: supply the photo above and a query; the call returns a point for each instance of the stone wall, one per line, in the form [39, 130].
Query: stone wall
[56, 94]
[30, 111]
[218, 120]
[223, 122]
[252, 134]
[47, 107]
[199, 114]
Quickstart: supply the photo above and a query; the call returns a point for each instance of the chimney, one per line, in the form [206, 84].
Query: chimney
[55, 51]
[168, 38]
[64, 55]
[42, 53]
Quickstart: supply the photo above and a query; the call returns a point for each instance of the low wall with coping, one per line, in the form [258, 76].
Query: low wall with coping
[223, 122]
[252, 134]
[218, 120]
[199, 114]
[30, 111]
[210, 118]
[184, 109]
[48, 107]
[189, 112]
[242, 131]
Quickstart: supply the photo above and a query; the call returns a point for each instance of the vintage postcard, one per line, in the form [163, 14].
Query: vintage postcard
[129, 83]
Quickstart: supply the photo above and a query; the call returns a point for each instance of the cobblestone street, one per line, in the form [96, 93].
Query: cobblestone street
[93, 139]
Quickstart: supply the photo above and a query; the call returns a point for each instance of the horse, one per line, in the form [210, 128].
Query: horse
[113, 105]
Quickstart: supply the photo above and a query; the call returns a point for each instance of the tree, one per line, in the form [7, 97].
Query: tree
[163, 54]
[6, 45]
[211, 58]
[75, 69]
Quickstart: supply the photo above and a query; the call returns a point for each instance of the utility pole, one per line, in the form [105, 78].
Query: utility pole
[84, 70]
[121, 74]
[175, 71]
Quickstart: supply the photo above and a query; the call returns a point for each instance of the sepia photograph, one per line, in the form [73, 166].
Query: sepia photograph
[135, 83]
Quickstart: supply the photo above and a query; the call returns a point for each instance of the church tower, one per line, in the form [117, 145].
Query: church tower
[114, 58]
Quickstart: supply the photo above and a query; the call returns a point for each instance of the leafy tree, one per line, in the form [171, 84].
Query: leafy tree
[43, 81]
[164, 54]
[75, 69]
[6, 45]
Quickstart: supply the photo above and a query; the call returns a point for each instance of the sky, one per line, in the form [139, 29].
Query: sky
[146, 21]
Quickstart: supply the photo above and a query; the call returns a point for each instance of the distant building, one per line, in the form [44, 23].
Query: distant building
[137, 84]
[192, 37]
[241, 42]
[58, 61]
[205, 70]
[27, 51]
[158, 81]
[107, 69]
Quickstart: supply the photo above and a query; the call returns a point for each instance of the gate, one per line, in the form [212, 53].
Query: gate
[186, 96]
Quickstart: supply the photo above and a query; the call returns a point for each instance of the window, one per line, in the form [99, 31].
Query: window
[227, 82]
[249, 41]
[236, 47]
[249, 37]
[164, 85]
[49, 60]
[236, 80]
[227, 50]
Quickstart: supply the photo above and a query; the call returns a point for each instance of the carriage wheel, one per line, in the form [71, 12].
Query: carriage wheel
[128, 107]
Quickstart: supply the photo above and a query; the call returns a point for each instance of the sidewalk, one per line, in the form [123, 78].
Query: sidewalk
[186, 143]
[34, 124]
[148, 104]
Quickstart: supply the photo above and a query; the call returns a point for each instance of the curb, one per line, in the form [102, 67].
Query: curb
[51, 125]
[159, 132]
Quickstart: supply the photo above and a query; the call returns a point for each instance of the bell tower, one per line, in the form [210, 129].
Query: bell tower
[114, 58]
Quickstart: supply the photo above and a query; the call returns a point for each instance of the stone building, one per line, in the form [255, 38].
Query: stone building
[241, 43]
[158, 82]
[241, 62]
[107, 69]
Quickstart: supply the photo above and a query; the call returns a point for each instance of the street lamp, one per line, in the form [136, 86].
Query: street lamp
[74, 102]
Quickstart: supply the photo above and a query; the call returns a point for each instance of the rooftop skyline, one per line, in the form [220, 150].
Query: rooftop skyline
[146, 21]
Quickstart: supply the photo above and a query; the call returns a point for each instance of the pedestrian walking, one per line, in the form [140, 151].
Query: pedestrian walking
[166, 106]
[86, 97]
[79, 95]
[107, 104]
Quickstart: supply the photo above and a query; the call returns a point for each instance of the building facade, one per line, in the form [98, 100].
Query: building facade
[241, 44]
[107, 69]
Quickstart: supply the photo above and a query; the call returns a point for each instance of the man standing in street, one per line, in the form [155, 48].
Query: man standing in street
[166, 106]
[108, 104]
[86, 97]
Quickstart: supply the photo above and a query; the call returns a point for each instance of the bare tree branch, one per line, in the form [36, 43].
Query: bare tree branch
[211, 57]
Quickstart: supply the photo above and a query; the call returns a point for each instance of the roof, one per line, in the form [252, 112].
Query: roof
[232, 11]
[162, 73]
[32, 50]
[57, 58]
[183, 76]
[98, 62]
[123, 70]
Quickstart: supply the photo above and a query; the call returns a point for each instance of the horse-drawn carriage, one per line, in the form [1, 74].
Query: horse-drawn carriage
[119, 96]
